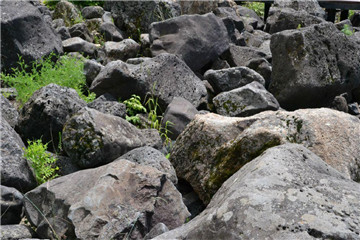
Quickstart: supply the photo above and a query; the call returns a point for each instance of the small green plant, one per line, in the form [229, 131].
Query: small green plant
[299, 26]
[42, 162]
[347, 31]
[257, 7]
[99, 39]
[351, 13]
[133, 107]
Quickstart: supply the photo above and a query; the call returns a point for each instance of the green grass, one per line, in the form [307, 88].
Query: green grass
[84, 3]
[66, 72]
[257, 7]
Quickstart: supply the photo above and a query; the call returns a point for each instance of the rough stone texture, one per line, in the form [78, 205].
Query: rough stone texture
[66, 166]
[24, 32]
[245, 101]
[92, 138]
[255, 39]
[197, 7]
[92, 12]
[313, 65]
[15, 170]
[241, 56]
[8, 111]
[355, 19]
[123, 50]
[66, 11]
[11, 205]
[156, 231]
[310, 6]
[196, 39]
[91, 70]
[213, 147]
[135, 16]
[94, 27]
[80, 30]
[339, 103]
[286, 193]
[111, 32]
[12, 232]
[246, 12]
[228, 79]
[63, 32]
[178, 114]
[45, 113]
[78, 44]
[263, 67]
[151, 157]
[287, 18]
[165, 76]
[57, 23]
[106, 203]
[109, 105]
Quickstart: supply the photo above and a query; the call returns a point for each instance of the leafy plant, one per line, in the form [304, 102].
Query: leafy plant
[133, 107]
[42, 162]
[347, 31]
[66, 72]
[257, 7]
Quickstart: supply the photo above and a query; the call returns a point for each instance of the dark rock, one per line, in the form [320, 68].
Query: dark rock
[11, 205]
[255, 39]
[234, 34]
[241, 56]
[219, 146]
[164, 76]
[354, 109]
[14, 232]
[341, 25]
[152, 138]
[313, 65]
[355, 93]
[245, 101]
[25, 32]
[219, 64]
[66, 11]
[111, 32]
[113, 107]
[8, 112]
[109, 202]
[15, 170]
[355, 19]
[263, 67]
[286, 193]
[157, 230]
[123, 50]
[339, 103]
[91, 70]
[66, 166]
[197, 7]
[78, 44]
[45, 113]
[196, 39]
[228, 79]
[246, 12]
[63, 32]
[80, 30]
[151, 157]
[311, 6]
[92, 12]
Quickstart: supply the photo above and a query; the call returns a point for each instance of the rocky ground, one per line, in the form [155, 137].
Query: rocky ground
[265, 133]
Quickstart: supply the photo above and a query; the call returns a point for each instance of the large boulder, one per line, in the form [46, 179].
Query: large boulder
[197, 7]
[11, 202]
[15, 170]
[286, 193]
[213, 147]
[45, 113]
[109, 105]
[313, 65]
[25, 33]
[121, 199]
[123, 50]
[91, 12]
[92, 138]
[111, 32]
[249, 13]
[245, 101]
[67, 11]
[8, 111]
[80, 30]
[196, 39]
[241, 56]
[77, 44]
[12, 232]
[164, 76]
[310, 6]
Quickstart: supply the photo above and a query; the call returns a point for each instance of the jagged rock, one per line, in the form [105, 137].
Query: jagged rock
[197, 7]
[91, 70]
[164, 76]
[80, 30]
[263, 67]
[151, 157]
[118, 199]
[158, 229]
[111, 32]
[219, 146]
[12, 232]
[245, 101]
[24, 32]
[15, 170]
[11, 205]
[233, 23]
[219, 64]
[255, 39]
[177, 115]
[109, 105]
[311, 6]
[286, 193]
[313, 65]
[249, 13]
[63, 32]
[107, 18]
[123, 50]
[78, 44]
[228, 79]
[92, 138]
[66, 11]
[196, 39]
[8, 112]
[45, 113]
[57, 23]
[92, 12]
[241, 56]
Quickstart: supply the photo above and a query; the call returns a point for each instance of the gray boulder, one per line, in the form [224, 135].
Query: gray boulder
[310, 6]
[91, 70]
[24, 32]
[45, 113]
[157, 230]
[8, 112]
[109, 105]
[14, 232]
[77, 44]
[286, 193]
[151, 157]
[11, 202]
[249, 13]
[164, 76]
[256, 38]
[92, 138]
[228, 79]
[123, 50]
[245, 101]
[339, 103]
[197, 7]
[63, 32]
[111, 32]
[66, 166]
[66, 11]
[312, 65]
[219, 146]
[178, 114]
[80, 30]
[15, 170]
[57, 23]
[110, 202]
[92, 12]
[241, 56]
[196, 39]
[263, 67]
